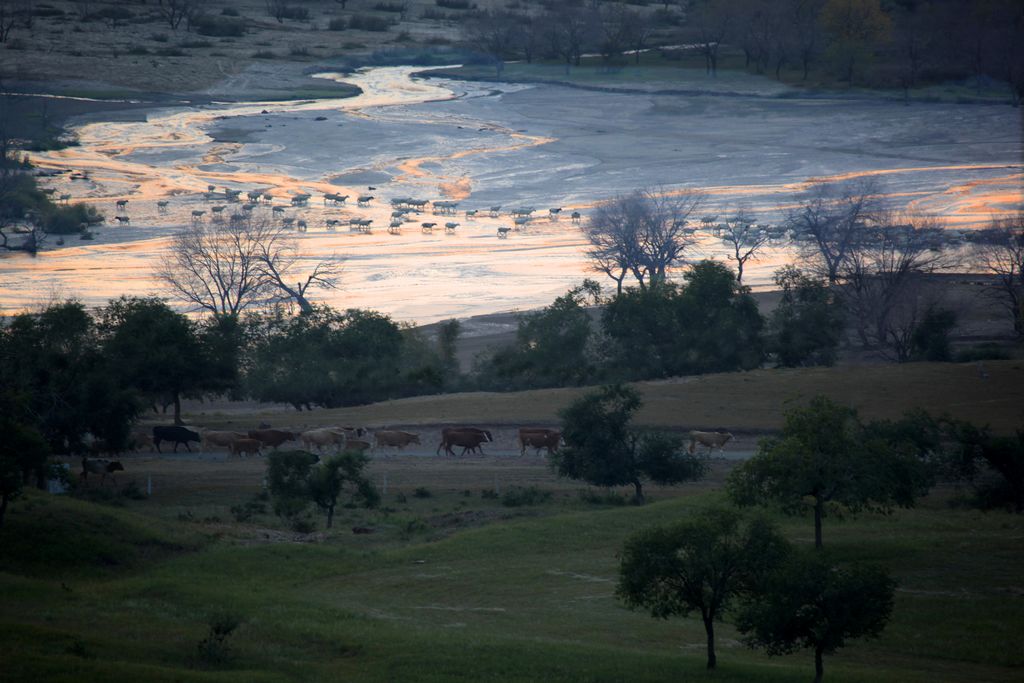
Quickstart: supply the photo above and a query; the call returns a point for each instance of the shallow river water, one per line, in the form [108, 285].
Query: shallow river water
[485, 144]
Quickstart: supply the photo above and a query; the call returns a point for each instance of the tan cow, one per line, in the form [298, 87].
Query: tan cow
[322, 437]
[241, 447]
[711, 440]
[357, 445]
[396, 439]
[220, 439]
[539, 438]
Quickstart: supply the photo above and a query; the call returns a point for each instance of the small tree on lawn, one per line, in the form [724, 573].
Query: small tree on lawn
[976, 450]
[295, 480]
[339, 473]
[825, 458]
[811, 603]
[698, 565]
[602, 449]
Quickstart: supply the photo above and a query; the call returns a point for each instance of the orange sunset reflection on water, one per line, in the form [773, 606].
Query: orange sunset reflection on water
[484, 145]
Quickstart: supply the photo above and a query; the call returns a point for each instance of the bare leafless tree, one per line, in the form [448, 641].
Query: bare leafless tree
[881, 278]
[713, 19]
[496, 34]
[227, 268]
[568, 31]
[744, 239]
[1000, 252]
[176, 11]
[641, 234]
[8, 18]
[831, 220]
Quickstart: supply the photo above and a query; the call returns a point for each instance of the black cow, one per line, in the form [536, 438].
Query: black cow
[175, 433]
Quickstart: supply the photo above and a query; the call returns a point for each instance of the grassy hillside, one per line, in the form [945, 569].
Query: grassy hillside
[529, 598]
[989, 393]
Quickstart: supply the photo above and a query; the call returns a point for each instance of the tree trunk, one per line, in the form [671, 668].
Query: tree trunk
[709, 626]
[818, 511]
[3, 509]
[330, 516]
[177, 409]
[819, 665]
[638, 496]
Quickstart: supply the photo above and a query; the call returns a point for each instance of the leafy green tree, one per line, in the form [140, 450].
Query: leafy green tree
[326, 358]
[553, 345]
[604, 450]
[23, 451]
[930, 338]
[54, 362]
[159, 352]
[811, 603]
[975, 450]
[710, 324]
[807, 325]
[295, 480]
[337, 474]
[698, 565]
[826, 459]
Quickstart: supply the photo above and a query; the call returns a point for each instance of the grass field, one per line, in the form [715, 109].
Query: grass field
[988, 393]
[456, 587]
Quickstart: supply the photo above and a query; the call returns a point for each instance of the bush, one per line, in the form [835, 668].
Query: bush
[986, 351]
[455, 4]
[229, 12]
[219, 27]
[158, 37]
[67, 220]
[489, 494]
[298, 51]
[368, 22]
[264, 54]
[338, 24]
[169, 52]
[518, 496]
[188, 44]
[594, 497]
[214, 649]
[421, 492]
[396, 7]
[930, 340]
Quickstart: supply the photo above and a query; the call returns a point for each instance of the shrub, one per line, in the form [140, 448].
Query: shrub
[390, 7]
[338, 24]
[455, 4]
[169, 52]
[158, 37]
[986, 351]
[67, 220]
[264, 54]
[489, 494]
[368, 22]
[595, 497]
[229, 12]
[518, 496]
[188, 44]
[421, 492]
[298, 51]
[207, 25]
[214, 649]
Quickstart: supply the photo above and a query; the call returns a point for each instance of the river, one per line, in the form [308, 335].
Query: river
[485, 144]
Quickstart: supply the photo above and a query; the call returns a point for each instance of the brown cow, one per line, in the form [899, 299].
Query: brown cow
[538, 439]
[322, 437]
[356, 445]
[470, 438]
[711, 440]
[222, 439]
[241, 447]
[272, 437]
[396, 439]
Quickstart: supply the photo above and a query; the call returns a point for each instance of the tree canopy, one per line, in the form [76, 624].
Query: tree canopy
[604, 450]
[826, 458]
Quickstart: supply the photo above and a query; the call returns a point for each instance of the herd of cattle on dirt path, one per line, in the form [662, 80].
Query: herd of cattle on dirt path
[346, 439]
